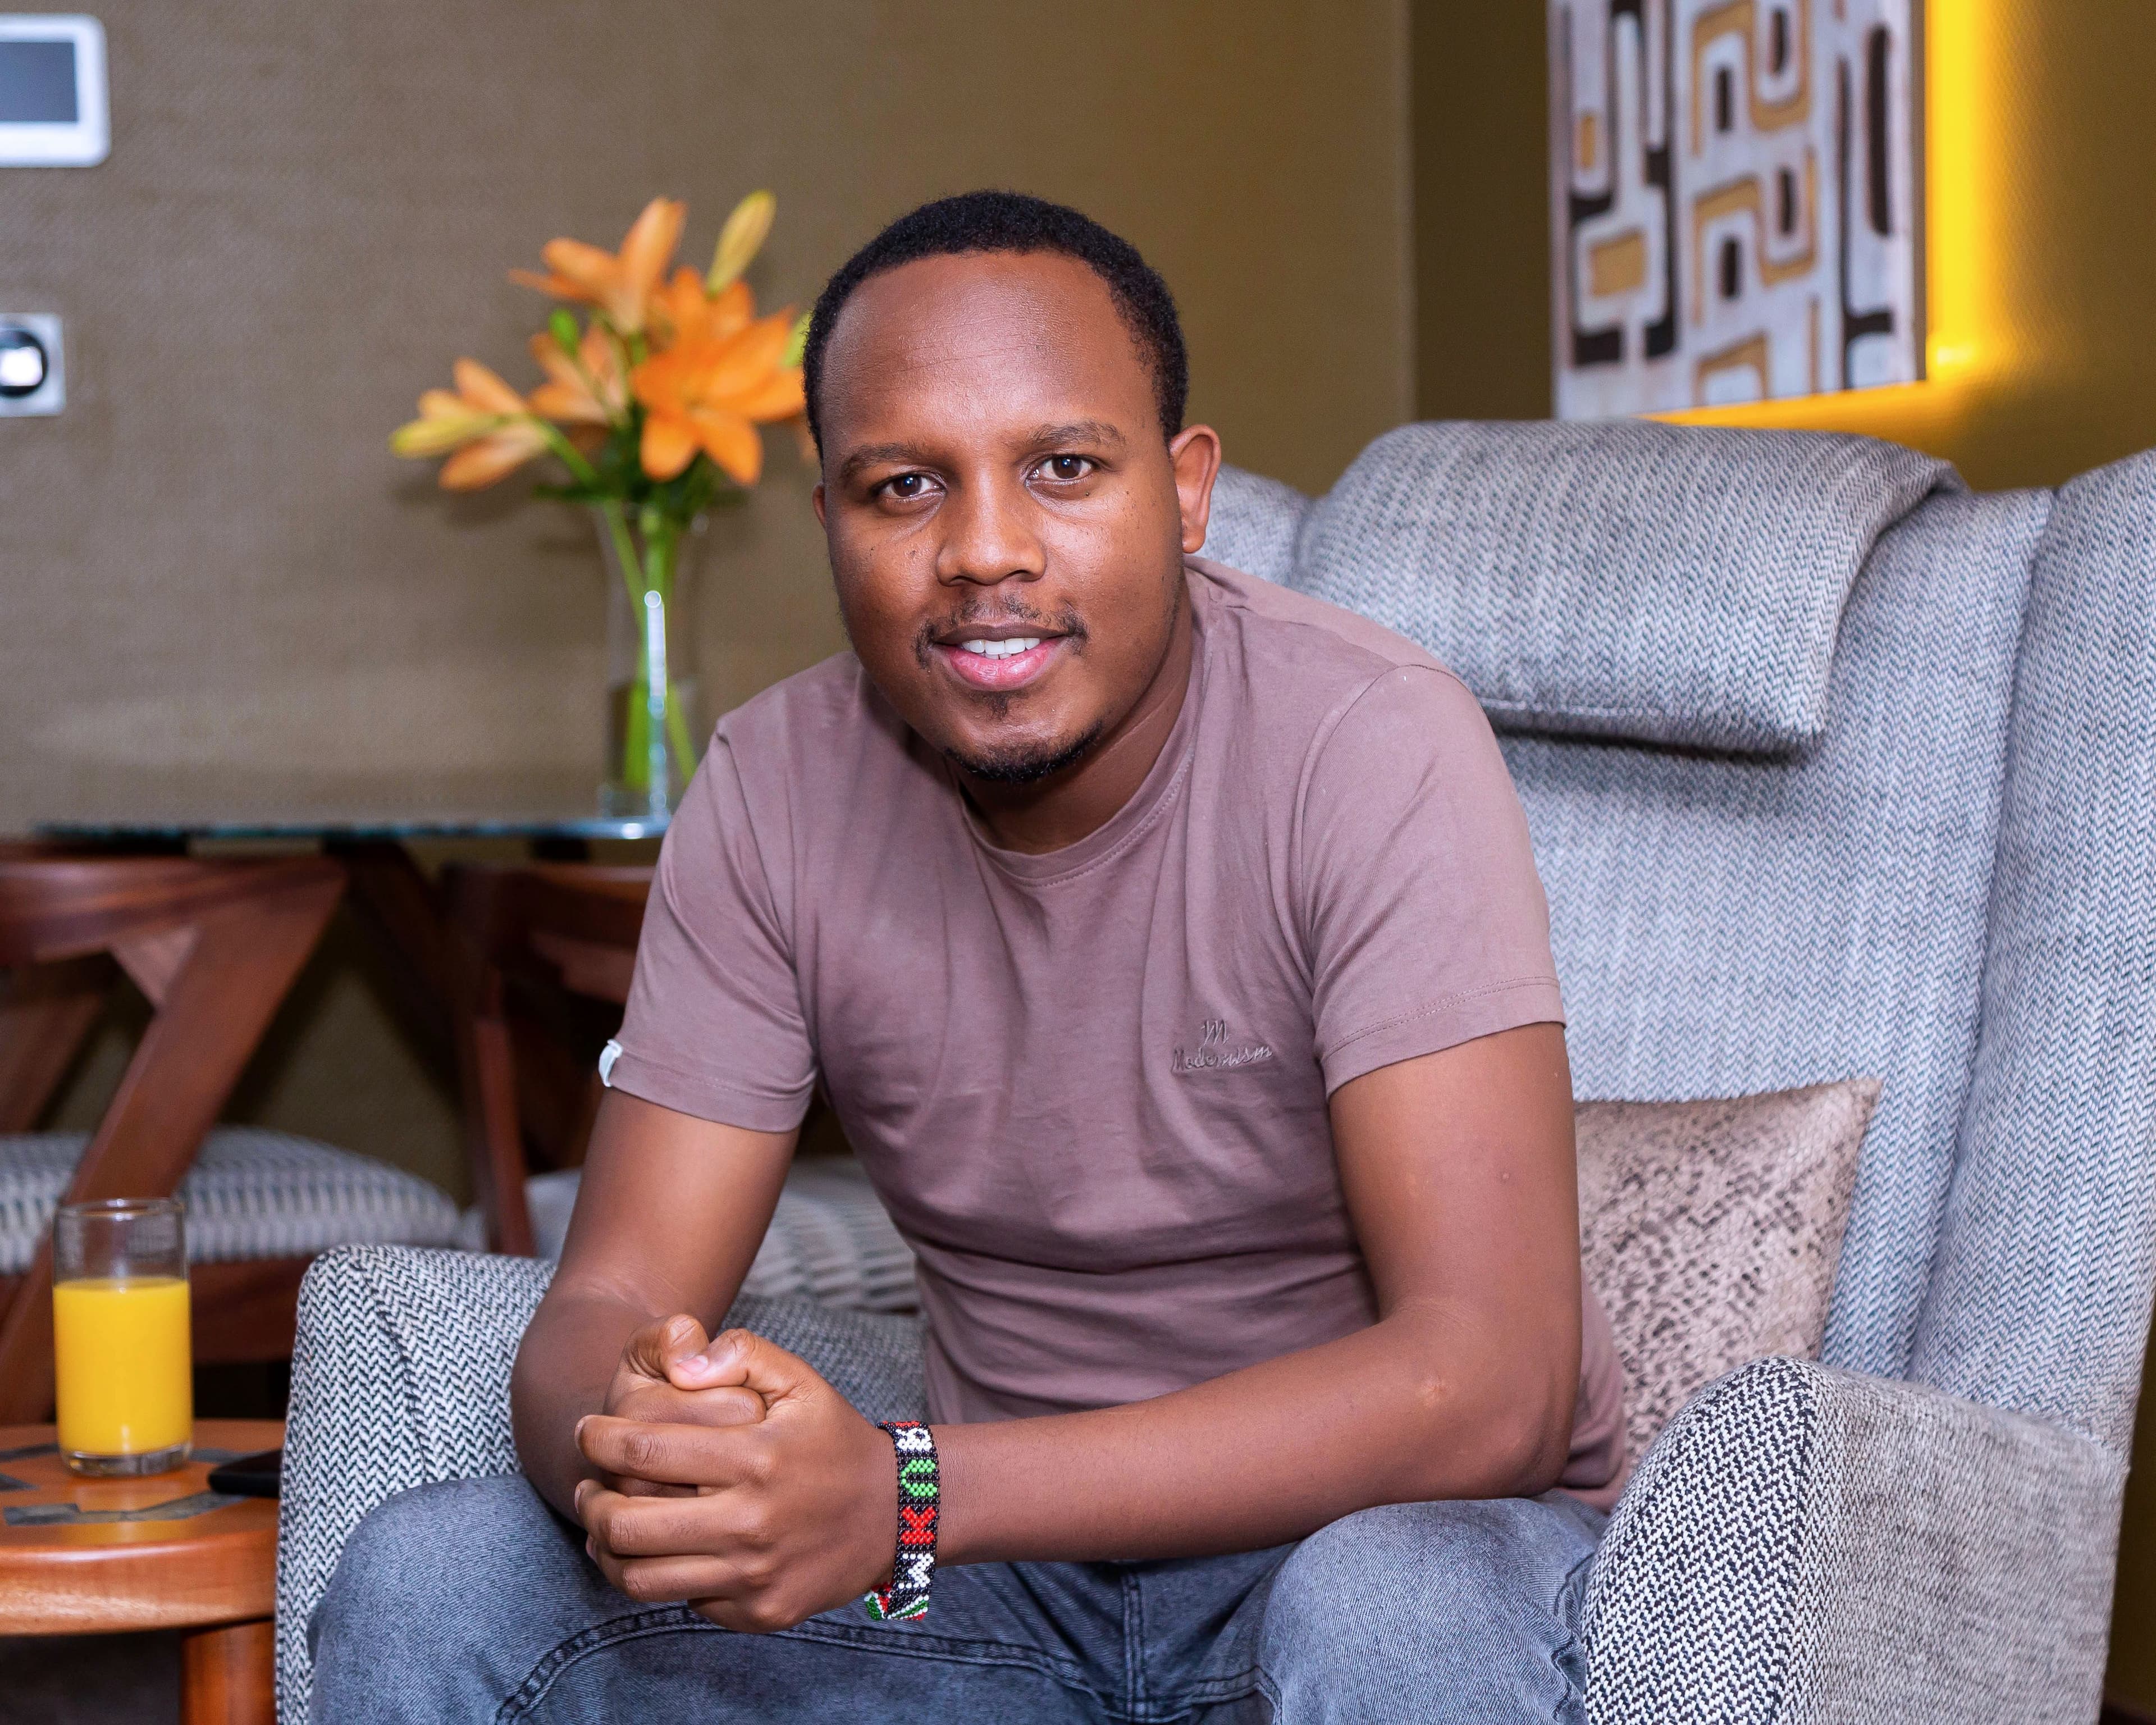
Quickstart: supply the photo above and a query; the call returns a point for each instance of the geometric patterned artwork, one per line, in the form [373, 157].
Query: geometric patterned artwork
[1733, 200]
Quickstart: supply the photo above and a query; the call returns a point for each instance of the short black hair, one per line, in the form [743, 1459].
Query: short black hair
[1012, 222]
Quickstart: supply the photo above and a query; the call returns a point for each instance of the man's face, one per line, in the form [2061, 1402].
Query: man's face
[1006, 526]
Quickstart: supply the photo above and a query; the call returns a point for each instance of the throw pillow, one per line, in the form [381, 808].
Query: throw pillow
[1711, 1230]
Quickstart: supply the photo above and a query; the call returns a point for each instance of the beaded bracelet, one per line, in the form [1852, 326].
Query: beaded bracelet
[920, 1508]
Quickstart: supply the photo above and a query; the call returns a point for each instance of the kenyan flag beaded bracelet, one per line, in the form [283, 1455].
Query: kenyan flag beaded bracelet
[920, 1508]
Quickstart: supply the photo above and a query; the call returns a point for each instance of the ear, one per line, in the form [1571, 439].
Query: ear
[1195, 455]
[816, 497]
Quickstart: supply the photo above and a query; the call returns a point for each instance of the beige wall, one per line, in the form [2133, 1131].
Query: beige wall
[2044, 149]
[219, 587]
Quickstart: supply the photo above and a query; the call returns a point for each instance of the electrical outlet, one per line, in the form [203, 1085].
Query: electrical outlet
[32, 367]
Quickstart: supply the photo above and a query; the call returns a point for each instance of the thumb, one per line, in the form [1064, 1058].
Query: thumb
[744, 1358]
[655, 1351]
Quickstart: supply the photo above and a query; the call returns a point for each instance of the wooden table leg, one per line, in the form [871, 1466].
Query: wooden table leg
[227, 1675]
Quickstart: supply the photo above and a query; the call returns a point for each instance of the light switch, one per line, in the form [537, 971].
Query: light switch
[33, 368]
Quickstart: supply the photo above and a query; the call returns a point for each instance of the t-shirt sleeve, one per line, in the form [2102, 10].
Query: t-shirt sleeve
[714, 1026]
[1425, 920]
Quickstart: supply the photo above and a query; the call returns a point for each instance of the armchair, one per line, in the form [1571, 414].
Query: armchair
[1834, 770]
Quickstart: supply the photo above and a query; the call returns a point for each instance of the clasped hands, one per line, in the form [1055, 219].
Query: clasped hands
[734, 1478]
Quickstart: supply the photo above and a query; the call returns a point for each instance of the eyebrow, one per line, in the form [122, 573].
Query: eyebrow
[1074, 431]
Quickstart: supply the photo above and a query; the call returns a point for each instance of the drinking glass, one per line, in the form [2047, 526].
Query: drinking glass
[121, 1351]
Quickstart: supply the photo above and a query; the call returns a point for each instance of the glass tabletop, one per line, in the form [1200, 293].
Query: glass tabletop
[127, 809]
[352, 829]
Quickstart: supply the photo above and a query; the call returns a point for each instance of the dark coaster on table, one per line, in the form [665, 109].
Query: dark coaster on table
[71, 1515]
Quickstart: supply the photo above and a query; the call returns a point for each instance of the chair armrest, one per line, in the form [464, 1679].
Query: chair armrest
[1808, 1545]
[400, 1378]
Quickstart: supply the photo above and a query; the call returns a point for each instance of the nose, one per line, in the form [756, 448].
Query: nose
[988, 534]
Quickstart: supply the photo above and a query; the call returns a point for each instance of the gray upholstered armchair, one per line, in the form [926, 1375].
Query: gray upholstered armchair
[1833, 769]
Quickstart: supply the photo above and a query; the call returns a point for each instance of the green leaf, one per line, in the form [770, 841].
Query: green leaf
[563, 328]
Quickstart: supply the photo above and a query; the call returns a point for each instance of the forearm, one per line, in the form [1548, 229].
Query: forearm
[563, 1367]
[1426, 1404]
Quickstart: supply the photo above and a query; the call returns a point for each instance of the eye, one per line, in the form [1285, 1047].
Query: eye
[906, 486]
[1066, 467]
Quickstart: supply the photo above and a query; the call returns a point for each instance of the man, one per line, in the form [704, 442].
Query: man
[1170, 947]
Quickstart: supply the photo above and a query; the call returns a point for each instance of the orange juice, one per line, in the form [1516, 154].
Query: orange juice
[121, 1351]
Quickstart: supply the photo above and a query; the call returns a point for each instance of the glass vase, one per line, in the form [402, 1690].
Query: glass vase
[654, 718]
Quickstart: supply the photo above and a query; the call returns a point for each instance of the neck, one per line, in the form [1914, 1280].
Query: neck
[1064, 807]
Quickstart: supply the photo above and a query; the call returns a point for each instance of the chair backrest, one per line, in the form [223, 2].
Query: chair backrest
[1819, 836]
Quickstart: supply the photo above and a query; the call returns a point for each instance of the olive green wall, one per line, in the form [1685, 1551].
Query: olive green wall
[219, 587]
[2052, 142]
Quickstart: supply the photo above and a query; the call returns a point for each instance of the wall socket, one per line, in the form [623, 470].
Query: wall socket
[32, 365]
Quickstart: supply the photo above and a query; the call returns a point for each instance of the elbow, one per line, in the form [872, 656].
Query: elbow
[1510, 1435]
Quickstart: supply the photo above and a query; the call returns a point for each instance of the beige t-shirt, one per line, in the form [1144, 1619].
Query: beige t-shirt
[1090, 1086]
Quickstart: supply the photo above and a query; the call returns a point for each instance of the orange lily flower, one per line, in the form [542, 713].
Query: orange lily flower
[587, 390]
[682, 311]
[711, 393]
[620, 284]
[488, 424]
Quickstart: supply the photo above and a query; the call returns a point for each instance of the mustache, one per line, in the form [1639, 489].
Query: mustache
[980, 614]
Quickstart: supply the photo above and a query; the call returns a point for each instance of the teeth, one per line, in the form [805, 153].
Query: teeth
[1003, 650]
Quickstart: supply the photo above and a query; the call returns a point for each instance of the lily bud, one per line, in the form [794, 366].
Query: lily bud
[741, 240]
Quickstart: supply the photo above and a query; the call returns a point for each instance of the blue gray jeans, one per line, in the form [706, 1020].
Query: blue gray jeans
[471, 1601]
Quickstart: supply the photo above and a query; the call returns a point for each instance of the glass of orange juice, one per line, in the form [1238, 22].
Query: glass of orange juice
[120, 1335]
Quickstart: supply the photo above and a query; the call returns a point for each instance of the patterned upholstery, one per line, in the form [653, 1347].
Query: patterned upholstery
[1727, 926]
[1806, 1545]
[2040, 1298]
[251, 1193]
[830, 1241]
[1709, 1231]
[401, 1377]
[1949, 888]
[1255, 524]
[1617, 579]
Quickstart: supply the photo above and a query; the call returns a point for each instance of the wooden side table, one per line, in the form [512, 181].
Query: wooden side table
[94, 1557]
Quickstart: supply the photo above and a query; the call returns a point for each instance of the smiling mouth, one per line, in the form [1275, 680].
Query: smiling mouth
[1000, 664]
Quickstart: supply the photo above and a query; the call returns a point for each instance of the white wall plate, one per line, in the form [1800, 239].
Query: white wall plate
[53, 109]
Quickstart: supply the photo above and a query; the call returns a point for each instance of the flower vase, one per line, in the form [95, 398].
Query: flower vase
[654, 721]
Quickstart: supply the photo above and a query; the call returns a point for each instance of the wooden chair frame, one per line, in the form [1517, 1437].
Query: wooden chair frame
[216, 945]
[555, 926]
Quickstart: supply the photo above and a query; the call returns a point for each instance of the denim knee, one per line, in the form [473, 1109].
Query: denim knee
[427, 1580]
[1463, 1610]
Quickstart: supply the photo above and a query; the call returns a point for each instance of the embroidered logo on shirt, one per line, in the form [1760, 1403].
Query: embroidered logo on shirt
[1213, 1053]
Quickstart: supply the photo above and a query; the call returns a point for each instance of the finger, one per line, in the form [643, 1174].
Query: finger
[654, 1581]
[655, 1348]
[657, 1527]
[629, 1485]
[743, 1356]
[661, 1403]
[674, 1455]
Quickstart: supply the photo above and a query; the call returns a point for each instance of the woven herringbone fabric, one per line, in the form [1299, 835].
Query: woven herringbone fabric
[2040, 1297]
[1726, 925]
[1255, 524]
[251, 1193]
[1812, 1546]
[400, 1377]
[1667, 583]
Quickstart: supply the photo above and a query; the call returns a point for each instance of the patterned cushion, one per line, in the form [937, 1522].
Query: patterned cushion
[1255, 524]
[830, 1239]
[1711, 1231]
[1625, 579]
[251, 1193]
